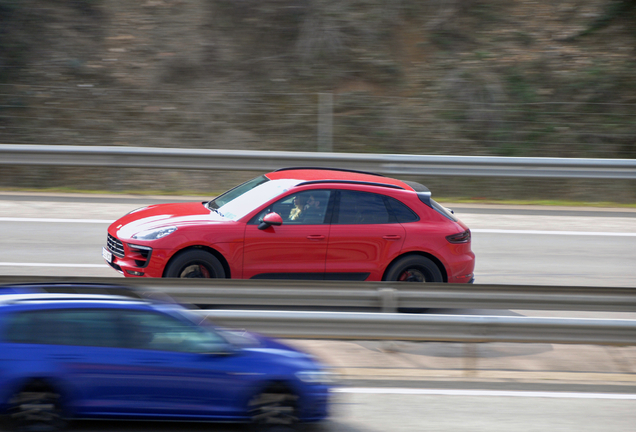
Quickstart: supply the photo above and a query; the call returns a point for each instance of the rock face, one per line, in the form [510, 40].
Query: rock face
[480, 77]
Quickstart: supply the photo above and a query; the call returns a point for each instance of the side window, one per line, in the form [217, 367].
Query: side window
[79, 327]
[401, 211]
[156, 331]
[303, 208]
[357, 208]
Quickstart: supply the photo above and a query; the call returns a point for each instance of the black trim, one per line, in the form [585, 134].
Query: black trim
[417, 187]
[139, 263]
[425, 197]
[329, 169]
[314, 276]
[299, 276]
[346, 276]
[356, 182]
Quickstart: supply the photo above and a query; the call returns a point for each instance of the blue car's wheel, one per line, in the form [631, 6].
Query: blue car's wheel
[274, 409]
[36, 408]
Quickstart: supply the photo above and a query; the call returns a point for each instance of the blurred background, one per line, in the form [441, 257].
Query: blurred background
[436, 77]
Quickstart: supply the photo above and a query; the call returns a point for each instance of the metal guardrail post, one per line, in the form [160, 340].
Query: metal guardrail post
[325, 122]
[388, 299]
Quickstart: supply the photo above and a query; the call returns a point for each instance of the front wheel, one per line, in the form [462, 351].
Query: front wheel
[273, 410]
[414, 268]
[195, 264]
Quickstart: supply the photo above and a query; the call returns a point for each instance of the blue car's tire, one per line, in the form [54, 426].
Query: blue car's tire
[274, 410]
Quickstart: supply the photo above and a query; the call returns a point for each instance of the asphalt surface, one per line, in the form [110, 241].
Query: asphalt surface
[408, 386]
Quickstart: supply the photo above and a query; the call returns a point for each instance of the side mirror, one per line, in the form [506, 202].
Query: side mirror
[269, 220]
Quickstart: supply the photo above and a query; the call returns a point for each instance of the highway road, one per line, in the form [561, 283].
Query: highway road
[408, 410]
[62, 235]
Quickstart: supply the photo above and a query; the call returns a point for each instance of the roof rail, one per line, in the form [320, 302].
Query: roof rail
[330, 169]
[357, 182]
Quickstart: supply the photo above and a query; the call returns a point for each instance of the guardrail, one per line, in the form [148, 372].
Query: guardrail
[389, 164]
[392, 326]
[381, 296]
[441, 328]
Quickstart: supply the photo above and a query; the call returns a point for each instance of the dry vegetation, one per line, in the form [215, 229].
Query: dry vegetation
[471, 77]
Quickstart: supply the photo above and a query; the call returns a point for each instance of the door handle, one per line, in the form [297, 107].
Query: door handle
[392, 237]
[316, 237]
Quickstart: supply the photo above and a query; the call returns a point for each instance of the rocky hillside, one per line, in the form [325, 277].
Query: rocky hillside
[477, 77]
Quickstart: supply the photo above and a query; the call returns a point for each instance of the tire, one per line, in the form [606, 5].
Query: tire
[195, 264]
[273, 410]
[35, 408]
[414, 268]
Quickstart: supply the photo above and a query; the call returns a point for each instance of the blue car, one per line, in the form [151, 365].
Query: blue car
[86, 355]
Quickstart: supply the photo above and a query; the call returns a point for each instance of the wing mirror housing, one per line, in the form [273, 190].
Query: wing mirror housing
[269, 220]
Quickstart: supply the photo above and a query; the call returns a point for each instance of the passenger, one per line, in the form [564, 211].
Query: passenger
[314, 210]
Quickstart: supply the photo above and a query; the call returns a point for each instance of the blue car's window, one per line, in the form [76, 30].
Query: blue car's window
[156, 331]
[64, 327]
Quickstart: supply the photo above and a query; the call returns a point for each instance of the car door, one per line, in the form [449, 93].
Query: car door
[364, 237]
[180, 369]
[297, 248]
[80, 347]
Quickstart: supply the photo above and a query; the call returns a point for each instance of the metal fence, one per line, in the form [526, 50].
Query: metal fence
[324, 297]
[385, 296]
[207, 159]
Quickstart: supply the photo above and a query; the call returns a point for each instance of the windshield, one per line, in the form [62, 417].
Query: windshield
[254, 198]
[239, 190]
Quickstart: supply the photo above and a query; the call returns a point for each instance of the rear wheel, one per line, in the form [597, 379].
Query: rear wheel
[37, 408]
[414, 268]
[195, 264]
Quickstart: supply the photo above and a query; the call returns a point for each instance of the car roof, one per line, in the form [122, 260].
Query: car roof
[59, 298]
[57, 292]
[337, 175]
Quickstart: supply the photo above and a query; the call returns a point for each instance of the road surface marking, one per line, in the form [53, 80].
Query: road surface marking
[13, 264]
[50, 220]
[538, 232]
[489, 393]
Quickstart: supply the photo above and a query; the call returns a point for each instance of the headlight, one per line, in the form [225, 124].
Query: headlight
[315, 377]
[154, 234]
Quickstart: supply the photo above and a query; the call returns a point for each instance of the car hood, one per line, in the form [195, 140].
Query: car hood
[266, 347]
[161, 215]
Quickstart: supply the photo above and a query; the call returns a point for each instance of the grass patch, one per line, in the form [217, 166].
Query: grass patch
[450, 199]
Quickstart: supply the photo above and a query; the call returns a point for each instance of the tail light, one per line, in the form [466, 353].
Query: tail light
[462, 237]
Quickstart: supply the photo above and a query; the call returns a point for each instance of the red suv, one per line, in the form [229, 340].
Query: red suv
[299, 223]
